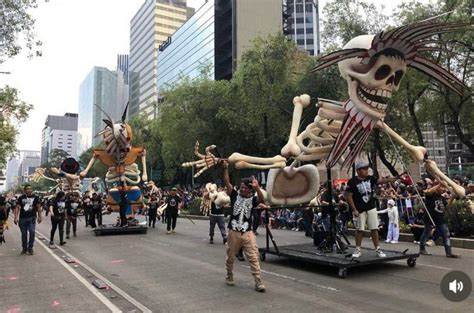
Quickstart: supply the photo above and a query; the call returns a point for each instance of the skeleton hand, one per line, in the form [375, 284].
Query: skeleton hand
[205, 161]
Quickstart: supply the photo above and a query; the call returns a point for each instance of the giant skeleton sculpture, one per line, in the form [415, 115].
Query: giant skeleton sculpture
[373, 66]
[67, 181]
[119, 156]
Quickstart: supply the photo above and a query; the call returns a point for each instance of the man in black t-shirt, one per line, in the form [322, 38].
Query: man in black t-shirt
[173, 201]
[241, 235]
[436, 205]
[360, 196]
[27, 212]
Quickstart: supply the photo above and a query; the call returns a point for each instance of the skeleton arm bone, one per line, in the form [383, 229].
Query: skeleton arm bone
[86, 170]
[291, 149]
[420, 155]
[144, 176]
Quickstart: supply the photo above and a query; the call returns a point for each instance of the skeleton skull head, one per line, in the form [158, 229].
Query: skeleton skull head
[370, 85]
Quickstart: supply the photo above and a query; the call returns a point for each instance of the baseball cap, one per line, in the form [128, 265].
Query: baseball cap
[361, 164]
[391, 202]
[173, 189]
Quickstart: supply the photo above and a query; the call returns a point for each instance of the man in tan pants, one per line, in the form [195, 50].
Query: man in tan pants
[240, 226]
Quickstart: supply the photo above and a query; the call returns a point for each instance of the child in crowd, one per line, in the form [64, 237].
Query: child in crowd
[393, 220]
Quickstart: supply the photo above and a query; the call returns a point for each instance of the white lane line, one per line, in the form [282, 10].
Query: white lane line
[296, 280]
[94, 291]
[108, 282]
[427, 265]
[157, 242]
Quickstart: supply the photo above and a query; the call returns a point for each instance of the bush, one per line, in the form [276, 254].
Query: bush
[194, 207]
[460, 219]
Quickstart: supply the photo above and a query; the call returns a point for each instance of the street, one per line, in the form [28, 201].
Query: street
[182, 272]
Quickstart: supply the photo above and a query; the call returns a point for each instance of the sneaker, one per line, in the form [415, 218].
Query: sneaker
[23, 252]
[229, 279]
[211, 241]
[453, 256]
[424, 252]
[173, 231]
[380, 253]
[240, 257]
[62, 243]
[430, 243]
[394, 241]
[30, 252]
[51, 243]
[76, 235]
[259, 286]
[357, 253]
[67, 237]
[387, 241]
[224, 240]
[168, 232]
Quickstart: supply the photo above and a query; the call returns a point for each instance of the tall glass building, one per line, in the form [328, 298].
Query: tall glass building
[301, 23]
[215, 36]
[154, 22]
[106, 89]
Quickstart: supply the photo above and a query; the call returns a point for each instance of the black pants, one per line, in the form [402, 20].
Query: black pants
[57, 222]
[87, 216]
[152, 218]
[95, 214]
[72, 220]
[171, 217]
[256, 213]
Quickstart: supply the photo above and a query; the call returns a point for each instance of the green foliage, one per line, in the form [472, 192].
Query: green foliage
[460, 219]
[13, 112]
[194, 207]
[17, 28]
[98, 169]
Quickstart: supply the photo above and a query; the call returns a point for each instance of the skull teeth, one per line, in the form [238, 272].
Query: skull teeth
[375, 92]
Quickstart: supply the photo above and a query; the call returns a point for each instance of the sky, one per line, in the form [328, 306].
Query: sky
[77, 35]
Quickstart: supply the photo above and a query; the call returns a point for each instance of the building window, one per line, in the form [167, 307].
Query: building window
[309, 30]
[299, 8]
[309, 7]
[300, 31]
[310, 41]
[300, 41]
[311, 52]
[299, 20]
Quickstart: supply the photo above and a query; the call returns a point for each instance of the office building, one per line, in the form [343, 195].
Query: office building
[154, 22]
[122, 66]
[29, 161]
[216, 36]
[301, 24]
[13, 165]
[59, 132]
[101, 90]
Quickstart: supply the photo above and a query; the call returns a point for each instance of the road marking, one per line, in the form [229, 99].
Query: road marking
[105, 280]
[96, 293]
[427, 265]
[154, 241]
[296, 280]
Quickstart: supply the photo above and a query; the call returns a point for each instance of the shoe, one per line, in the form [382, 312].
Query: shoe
[30, 252]
[67, 237]
[23, 252]
[224, 240]
[357, 253]
[240, 257]
[51, 243]
[173, 231]
[229, 279]
[430, 243]
[259, 286]
[424, 252]
[453, 256]
[62, 243]
[387, 241]
[168, 232]
[394, 241]
[211, 241]
[380, 253]
[74, 235]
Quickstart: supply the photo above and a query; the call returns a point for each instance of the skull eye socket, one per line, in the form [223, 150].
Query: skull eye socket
[382, 72]
[398, 77]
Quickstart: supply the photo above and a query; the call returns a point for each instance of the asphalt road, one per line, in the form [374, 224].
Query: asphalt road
[183, 273]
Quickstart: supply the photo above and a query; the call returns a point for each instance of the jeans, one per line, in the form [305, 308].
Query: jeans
[72, 220]
[27, 225]
[443, 230]
[220, 223]
[95, 214]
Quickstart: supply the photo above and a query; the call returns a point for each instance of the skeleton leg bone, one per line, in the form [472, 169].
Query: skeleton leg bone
[291, 149]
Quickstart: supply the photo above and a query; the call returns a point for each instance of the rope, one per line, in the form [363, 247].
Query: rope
[411, 178]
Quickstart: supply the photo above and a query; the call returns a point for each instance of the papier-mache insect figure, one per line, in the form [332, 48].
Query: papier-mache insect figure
[119, 156]
[373, 66]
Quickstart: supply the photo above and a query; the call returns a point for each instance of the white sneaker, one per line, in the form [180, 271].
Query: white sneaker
[357, 253]
[380, 253]
[387, 241]
[394, 241]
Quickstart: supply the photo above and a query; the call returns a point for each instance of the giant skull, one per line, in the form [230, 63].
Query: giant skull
[370, 85]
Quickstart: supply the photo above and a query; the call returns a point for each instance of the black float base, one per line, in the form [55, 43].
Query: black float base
[342, 261]
[105, 230]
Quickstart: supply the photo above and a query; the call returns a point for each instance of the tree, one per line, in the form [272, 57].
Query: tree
[98, 169]
[13, 112]
[17, 28]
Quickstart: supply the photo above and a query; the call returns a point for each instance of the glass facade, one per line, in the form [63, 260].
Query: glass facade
[301, 24]
[100, 88]
[190, 48]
